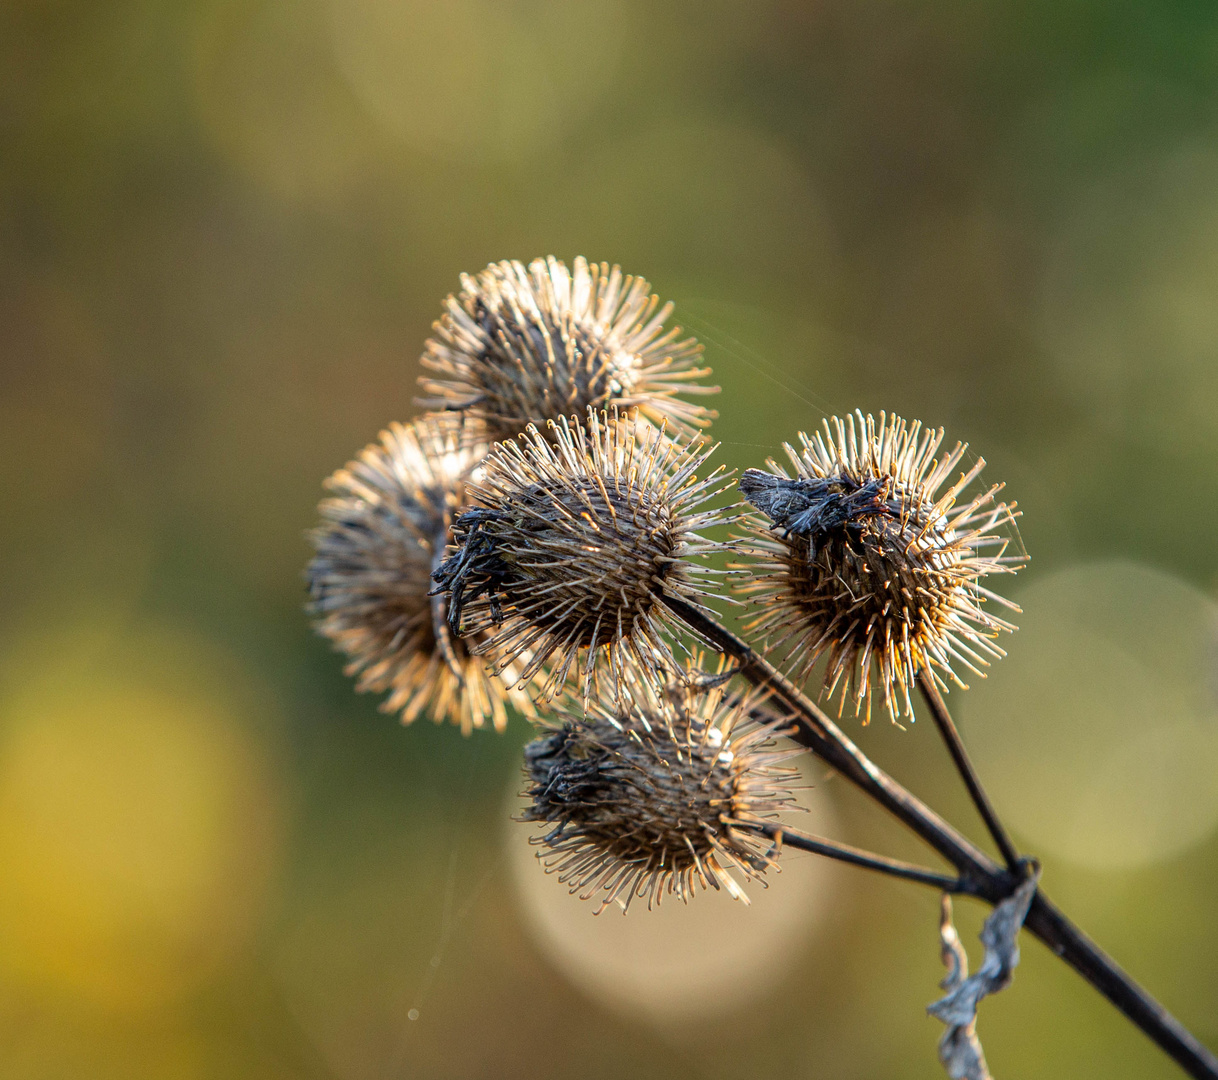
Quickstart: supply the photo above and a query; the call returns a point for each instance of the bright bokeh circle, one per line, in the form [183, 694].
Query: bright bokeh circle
[1098, 734]
[679, 963]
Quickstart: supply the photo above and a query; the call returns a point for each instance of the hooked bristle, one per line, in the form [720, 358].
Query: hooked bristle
[573, 542]
[382, 534]
[520, 346]
[655, 798]
[864, 559]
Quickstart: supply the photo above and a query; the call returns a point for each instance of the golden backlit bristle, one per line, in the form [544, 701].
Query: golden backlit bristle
[573, 541]
[520, 346]
[866, 560]
[382, 534]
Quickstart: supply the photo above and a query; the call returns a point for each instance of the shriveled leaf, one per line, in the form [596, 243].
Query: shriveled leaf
[959, 1048]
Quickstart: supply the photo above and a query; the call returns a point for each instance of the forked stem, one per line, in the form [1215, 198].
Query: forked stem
[979, 874]
[964, 766]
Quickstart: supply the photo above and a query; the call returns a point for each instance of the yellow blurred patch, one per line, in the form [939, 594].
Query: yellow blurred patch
[137, 824]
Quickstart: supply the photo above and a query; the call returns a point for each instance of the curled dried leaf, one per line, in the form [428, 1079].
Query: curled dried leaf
[959, 1048]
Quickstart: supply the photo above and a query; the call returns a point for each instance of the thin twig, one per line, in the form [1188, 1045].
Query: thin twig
[785, 836]
[982, 876]
[964, 766]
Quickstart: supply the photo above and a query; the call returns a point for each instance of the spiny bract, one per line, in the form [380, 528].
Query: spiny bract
[656, 797]
[573, 542]
[520, 346]
[865, 561]
[382, 535]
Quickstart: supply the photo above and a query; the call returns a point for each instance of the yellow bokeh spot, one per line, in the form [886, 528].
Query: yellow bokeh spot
[72, 1044]
[136, 829]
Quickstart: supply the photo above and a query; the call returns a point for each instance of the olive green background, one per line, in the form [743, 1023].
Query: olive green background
[225, 229]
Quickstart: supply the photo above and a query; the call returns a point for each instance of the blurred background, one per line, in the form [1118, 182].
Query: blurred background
[225, 229]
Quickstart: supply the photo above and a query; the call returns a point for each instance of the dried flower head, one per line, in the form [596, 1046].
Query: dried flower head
[382, 535]
[655, 797]
[574, 541]
[524, 346]
[865, 560]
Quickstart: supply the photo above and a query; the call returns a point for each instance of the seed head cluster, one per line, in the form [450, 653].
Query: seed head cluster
[382, 534]
[655, 798]
[865, 558]
[573, 542]
[522, 346]
[542, 537]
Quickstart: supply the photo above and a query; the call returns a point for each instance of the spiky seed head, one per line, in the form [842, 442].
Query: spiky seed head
[520, 346]
[573, 541]
[654, 797]
[864, 557]
[382, 534]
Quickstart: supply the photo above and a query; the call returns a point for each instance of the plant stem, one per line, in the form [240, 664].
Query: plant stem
[785, 836]
[814, 729]
[979, 874]
[964, 766]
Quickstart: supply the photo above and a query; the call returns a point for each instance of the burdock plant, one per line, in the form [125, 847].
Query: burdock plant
[518, 346]
[539, 541]
[383, 534]
[656, 796]
[867, 558]
[571, 546]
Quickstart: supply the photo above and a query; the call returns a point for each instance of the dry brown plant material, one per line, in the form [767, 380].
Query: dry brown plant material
[381, 536]
[522, 346]
[573, 542]
[657, 798]
[866, 559]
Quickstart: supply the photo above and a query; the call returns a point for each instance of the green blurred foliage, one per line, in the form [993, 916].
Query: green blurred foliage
[225, 229]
